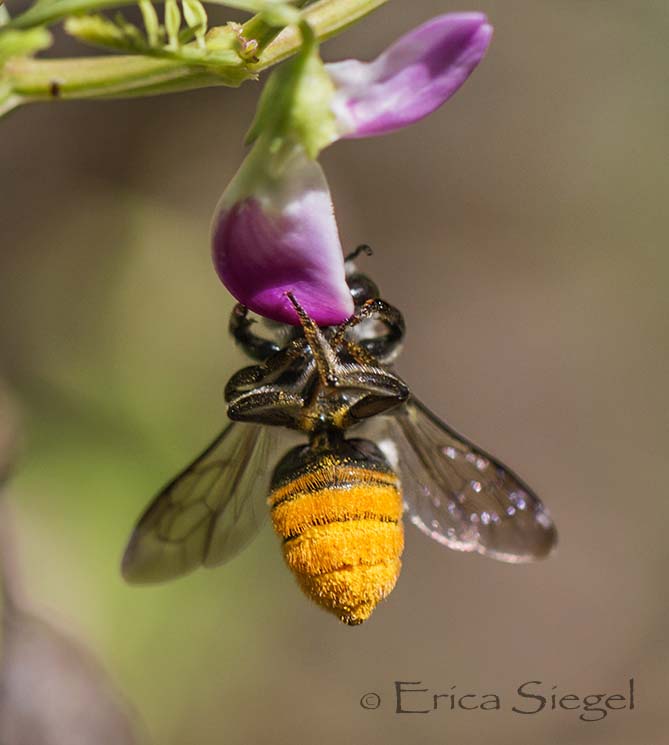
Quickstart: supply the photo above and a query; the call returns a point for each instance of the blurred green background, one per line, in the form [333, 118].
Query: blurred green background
[522, 229]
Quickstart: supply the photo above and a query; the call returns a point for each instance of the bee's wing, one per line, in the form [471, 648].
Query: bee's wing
[209, 512]
[462, 497]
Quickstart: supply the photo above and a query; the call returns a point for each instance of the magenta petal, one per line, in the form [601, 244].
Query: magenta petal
[412, 78]
[281, 237]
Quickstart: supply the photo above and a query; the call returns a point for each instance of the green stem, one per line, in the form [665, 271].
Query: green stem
[263, 34]
[120, 76]
[44, 13]
[327, 18]
[9, 103]
[4, 15]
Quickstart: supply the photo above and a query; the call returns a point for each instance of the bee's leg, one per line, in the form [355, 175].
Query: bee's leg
[253, 394]
[275, 392]
[267, 373]
[243, 381]
[268, 404]
[359, 354]
[256, 347]
[380, 387]
[385, 346]
[324, 356]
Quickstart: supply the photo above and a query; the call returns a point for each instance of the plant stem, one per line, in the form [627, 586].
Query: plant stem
[327, 18]
[44, 13]
[121, 76]
[263, 34]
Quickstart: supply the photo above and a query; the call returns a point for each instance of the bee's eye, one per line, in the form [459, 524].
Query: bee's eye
[362, 288]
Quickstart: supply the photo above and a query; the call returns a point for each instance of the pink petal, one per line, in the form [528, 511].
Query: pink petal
[278, 234]
[412, 78]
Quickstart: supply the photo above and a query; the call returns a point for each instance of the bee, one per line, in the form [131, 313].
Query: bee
[373, 452]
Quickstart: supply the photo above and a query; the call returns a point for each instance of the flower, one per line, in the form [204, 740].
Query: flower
[274, 229]
[278, 234]
[412, 78]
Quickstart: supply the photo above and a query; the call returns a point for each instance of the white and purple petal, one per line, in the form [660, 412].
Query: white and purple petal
[412, 78]
[275, 232]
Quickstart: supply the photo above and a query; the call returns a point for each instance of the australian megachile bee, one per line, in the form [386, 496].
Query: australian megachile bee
[373, 452]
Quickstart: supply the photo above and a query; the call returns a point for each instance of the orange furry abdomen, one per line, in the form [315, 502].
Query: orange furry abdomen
[342, 534]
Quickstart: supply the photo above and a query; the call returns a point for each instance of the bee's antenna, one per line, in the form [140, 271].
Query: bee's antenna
[324, 356]
[361, 249]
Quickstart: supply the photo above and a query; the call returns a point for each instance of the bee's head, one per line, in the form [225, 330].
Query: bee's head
[361, 286]
[378, 334]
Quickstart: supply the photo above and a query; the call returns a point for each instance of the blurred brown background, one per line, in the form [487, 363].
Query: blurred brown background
[522, 229]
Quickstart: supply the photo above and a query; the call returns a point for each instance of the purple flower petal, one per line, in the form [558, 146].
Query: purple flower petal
[275, 232]
[412, 78]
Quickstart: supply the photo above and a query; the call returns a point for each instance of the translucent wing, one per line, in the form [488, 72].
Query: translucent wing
[209, 512]
[462, 497]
